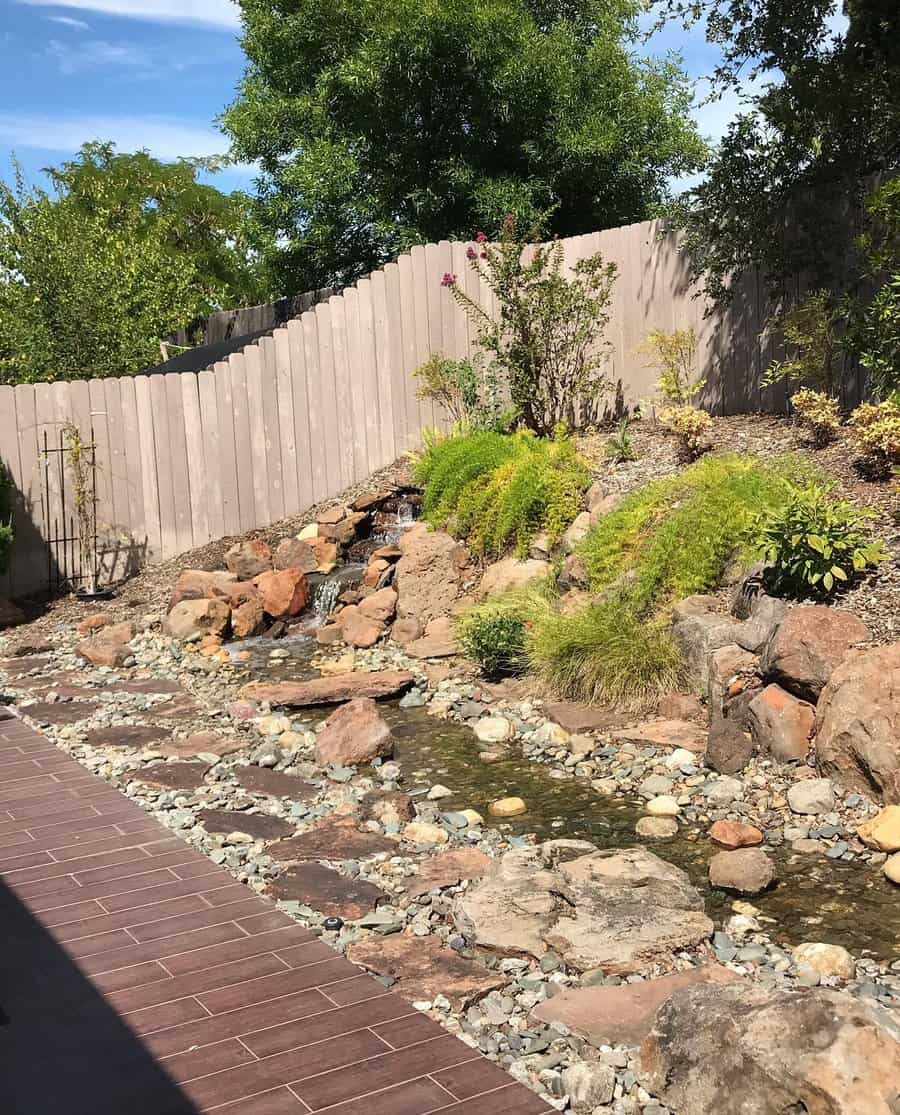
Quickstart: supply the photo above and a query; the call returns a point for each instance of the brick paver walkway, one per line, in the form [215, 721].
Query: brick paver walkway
[138, 978]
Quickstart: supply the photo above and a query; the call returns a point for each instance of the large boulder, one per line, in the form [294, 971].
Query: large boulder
[193, 618]
[430, 575]
[809, 645]
[700, 630]
[332, 690]
[617, 911]
[354, 734]
[781, 725]
[249, 558]
[110, 646]
[294, 553]
[201, 584]
[740, 1047]
[283, 593]
[858, 723]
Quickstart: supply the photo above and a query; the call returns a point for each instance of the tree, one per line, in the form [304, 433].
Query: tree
[379, 124]
[794, 168]
[123, 251]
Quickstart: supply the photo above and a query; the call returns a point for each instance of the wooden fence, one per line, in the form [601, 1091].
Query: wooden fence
[187, 457]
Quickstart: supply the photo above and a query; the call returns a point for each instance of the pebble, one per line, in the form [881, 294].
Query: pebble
[507, 807]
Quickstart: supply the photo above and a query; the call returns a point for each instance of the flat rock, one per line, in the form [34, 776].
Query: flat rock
[448, 868]
[203, 743]
[261, 826]
[17, 667]
[173, 776]
[425, 968]
[665, 733]
[149, 685]
[577, 718]
[59, 712]
[327, 891]
[181, 706]
[274, 783]
[330, 690]
[335, 838]
[128, 735]
[622, 1014]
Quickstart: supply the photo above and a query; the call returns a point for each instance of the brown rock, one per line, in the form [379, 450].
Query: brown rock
[91, 624]
[386, 806]
[282, 592]
[294, 553]
[202, 743]
[333, 515]
[371, 500]
[406, 631]
[326, 553]
[249, 558]
[19, 667]
[446, 869]
[173, 776]
[330, 634]
[336, 838]
[809, 645]
[353, 735]
[430, 575]
[731, 671]
[59, 712]
[578, 718]
[344, 532]
[380, 605]
[665, 733]
[439, 640]
[199, 584]
[357, 630]
[573, 574]
[511, 573]
[781, 725]
[374, 572]
[110, 646]
[729, 749]
[735, 834]
[858, 723]
[325, 890]
[623, 1014]
[247, 619]
[390, 552]
[274, 783]
[181, 707]
[330, 690]
[744, 1048]
[191, 618]
[747, 871]
[149, 685]
[128, 735]
[261, 826]
[680, 706]
[426, 968]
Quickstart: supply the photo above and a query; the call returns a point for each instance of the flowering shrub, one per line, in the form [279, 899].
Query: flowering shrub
[819, 412]
[876, 431]
[688, 424]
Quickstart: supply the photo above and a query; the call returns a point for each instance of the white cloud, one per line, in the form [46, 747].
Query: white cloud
[162, 136]
[213, 13]
[95, 53]
[67, 21]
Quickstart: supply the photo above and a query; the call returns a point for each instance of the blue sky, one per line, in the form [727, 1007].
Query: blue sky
[155, 73]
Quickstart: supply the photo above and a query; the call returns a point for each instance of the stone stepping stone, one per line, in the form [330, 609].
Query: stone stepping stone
[331, 690]
[127, 735]
[327, 891]
[173, 776]
[665, 733]
[275, 783]
[62, 689]
[447, 869]
[578, 718]
[335, 838]
[261, 826]
[182, 706]
[425, 968]
[17, 667]
[59, 712]
[203, 743]
[149, 685]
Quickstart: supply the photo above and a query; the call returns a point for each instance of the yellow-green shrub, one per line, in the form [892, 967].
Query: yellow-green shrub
[820, 413]
[688, 424]
[876, 431]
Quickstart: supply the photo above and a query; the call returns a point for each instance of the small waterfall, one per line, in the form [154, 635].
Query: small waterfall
[325, 598]
[406, 515]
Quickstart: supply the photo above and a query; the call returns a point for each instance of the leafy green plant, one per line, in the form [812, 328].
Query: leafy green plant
[468, 394]
[815, 544]
[819, 413]
[494, 637]
[811, 328]
[875, 326]
[498, 491]
[674, 356]
[6, 527]
[545, 343]
[619, 448]
[688, 424]
[876, 430]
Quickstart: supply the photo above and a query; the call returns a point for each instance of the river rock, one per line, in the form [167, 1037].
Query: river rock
[191, 618]
[891, 868]
[248, 558]
[781, 725]
[430, 575]
[882, 831]
[294, 553]
[588, 1084]
[746, 870]
[663, 806]
[354, 734]
[665, 733]
[729, 748]
[735, 834]
[511, 573]
[507, 807]
[330, 690]
[656, 828]
[809, 645]
[742, 1047]
[492, 729]
[424, 832]
[811, 797]
[826, 960]
[619, 911]
[858, 718]
[622, 1014]
[283, 593]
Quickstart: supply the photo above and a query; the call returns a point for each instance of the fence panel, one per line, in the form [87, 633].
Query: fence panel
[286, 429]
[212, 459]
[271, 427]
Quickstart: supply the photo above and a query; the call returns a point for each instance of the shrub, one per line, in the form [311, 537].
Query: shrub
[811, 328]
[545, 345]
[498, 491]
[875, 327]
[618, 448]
[6, 529]
[673, 355]
[815, 544]
[876, 431]
[494, 637]
[689, 425]
[819, 412]
[469, 395]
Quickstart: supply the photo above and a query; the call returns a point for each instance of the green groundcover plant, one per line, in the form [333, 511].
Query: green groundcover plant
[497, 490]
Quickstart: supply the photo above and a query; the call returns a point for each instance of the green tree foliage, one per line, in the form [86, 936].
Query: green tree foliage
[123, 251]
[801, 155]
[380, 124]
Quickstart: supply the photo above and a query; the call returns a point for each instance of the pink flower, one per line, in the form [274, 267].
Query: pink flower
[448, 280]
[481, 238]
[471, 253]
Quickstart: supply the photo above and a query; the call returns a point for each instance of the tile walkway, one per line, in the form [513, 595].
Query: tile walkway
[138, 978]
